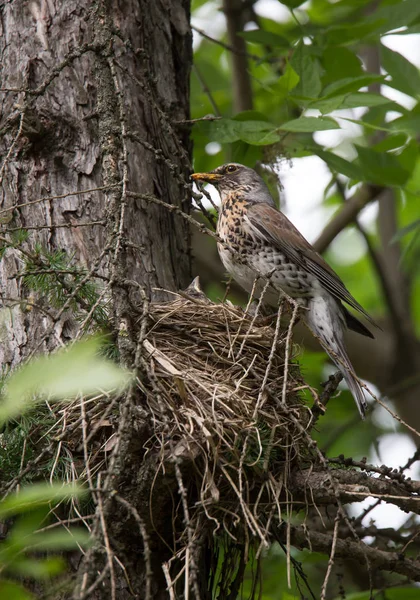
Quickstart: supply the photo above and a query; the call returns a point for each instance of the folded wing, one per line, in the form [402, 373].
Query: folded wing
[275, 228]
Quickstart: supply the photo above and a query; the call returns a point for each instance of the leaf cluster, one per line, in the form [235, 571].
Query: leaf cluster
[31, 549]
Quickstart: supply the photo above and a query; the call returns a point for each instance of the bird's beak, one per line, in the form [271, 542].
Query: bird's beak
[208, 177]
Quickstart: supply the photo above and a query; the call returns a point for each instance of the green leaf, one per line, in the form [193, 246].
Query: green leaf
[350, 84]
[245, 154]
[381, 167]
[326, 105]
[13, 591]
[367, 124]
[59, 539]
[363, 99]
[310, 124]
[224, 131]
[327, 13]
[396, 15]
[406, 230]
[75, 370]
[405, 76]
[23, 530]
[413, 188]
[340, 63]
[267, 38]
[287, 82]
[408, 123]
[408, 156]
[38, 568]
[340, 165]
[308, 69]
[343, 35]
[258, 133]
[408, 30]
[391, 142]
[38, 494]
[197, 4]
[252, 115]
[25, 537]
[292, 3]
[253, 133]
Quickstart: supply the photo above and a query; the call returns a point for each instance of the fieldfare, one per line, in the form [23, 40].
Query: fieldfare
[259, 244]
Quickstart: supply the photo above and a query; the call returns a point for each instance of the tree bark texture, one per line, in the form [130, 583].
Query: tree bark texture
[93, 96]
[103, 85]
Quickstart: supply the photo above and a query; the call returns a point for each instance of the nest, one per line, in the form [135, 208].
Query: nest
[228, 414]
[224, 384]
[221, 392]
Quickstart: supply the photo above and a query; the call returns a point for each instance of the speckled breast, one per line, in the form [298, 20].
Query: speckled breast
[248, 257]
[237, 245]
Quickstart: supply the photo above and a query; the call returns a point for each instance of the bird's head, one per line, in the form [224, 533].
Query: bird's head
[236, 177]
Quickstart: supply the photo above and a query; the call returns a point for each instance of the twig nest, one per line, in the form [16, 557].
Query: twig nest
[225, 405]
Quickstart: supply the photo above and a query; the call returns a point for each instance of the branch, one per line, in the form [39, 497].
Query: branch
[228, 47]
[352, 486]
[366, 194]
[358, 551]
[394, 474]
[398, 281]
[378, 265]
[241, 81]
[330, 388]
[207, 90]
[390, 256]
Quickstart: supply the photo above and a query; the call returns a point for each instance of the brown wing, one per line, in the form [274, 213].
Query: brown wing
[275, 228]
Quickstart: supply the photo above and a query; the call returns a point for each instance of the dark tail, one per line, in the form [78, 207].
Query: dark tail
[355, 324]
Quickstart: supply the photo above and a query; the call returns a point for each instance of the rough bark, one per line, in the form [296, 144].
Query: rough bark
[77, 127]
[92, 96]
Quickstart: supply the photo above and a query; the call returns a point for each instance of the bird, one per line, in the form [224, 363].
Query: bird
[263, 251]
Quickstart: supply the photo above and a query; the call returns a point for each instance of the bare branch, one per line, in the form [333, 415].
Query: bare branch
[241, 81]
[228, 47]
[207, 90]
[352, 486]
[398, 281]
[330, 388]
[347, 214]
[379, 559]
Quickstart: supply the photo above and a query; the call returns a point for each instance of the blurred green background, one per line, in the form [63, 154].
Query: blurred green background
[328, 107]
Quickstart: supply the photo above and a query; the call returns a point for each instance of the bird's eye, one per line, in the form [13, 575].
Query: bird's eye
[231, 168]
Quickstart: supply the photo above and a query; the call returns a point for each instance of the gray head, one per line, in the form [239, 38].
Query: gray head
[234, 176]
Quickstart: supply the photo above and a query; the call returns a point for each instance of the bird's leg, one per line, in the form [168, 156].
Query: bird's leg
[227, 289]
[295, 307]
[254, 308]
[268, 319]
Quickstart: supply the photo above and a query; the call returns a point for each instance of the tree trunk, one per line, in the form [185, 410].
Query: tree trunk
[103, 87]
[93, 99]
